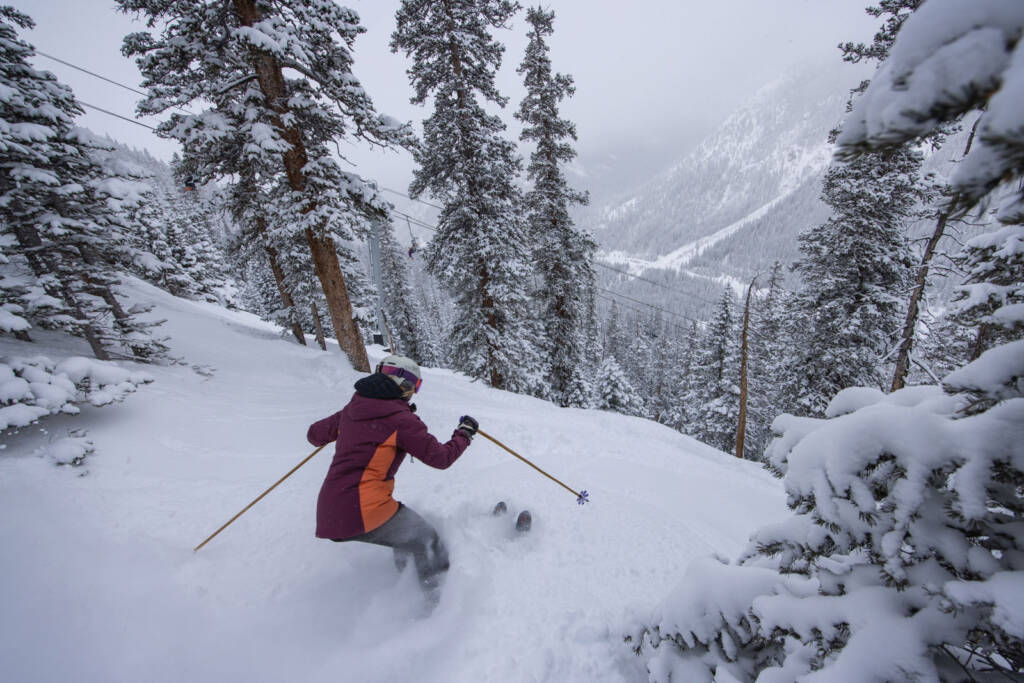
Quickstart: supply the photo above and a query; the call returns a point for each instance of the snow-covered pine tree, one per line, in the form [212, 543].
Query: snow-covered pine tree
[563, 252]
[405, 318]
[663, 375]
[248, 199]
[991, 299]
[64, 205]
[613, 338]
[679, 412]
[190, 233]
[233, 54]
[642, 348]
[613, 390]
[895, 13]
[481, 249]
[436, 310]
[904, 558]
[767, 370]
[854, 271]
[170, 235]
[715, 390]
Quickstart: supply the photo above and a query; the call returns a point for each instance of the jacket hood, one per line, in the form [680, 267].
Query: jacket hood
[376, 396]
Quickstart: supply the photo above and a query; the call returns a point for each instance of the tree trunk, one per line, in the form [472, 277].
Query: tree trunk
[88, 331]
[325, 261]
[910, 324]
[318, 326]
[899, 377]
[981, 341]
[741, 426]
[123, 321]
[325, 258]
[282, 288]
[104, 291]
[43, 265]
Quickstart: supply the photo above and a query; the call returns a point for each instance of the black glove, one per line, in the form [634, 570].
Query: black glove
[468, 426]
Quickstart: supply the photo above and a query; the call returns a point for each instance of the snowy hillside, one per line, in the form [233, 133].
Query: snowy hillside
[100, 584]
[763, 152]
[738, 202]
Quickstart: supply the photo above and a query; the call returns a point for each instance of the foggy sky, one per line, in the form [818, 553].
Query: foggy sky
[653, 76]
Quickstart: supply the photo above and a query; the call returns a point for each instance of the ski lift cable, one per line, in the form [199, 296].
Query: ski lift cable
[653, 282]
[413, 199]
[681, 327]
[107, 111]
[102, 78]
[657, 308]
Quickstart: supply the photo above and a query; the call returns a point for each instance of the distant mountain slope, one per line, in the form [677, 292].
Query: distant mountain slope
[762, 153]
[739, 201]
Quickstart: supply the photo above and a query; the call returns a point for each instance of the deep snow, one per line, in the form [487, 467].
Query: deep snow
[98, 581]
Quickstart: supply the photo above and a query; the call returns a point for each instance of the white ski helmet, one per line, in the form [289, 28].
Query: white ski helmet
[404, 371]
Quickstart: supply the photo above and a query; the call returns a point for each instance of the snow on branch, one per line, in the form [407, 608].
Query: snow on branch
[32, 388]
[901, 561]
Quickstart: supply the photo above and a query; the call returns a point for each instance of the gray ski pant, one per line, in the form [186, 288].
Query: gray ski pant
[412, 536]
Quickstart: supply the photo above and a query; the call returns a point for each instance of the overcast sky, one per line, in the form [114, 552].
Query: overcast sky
[653, 76]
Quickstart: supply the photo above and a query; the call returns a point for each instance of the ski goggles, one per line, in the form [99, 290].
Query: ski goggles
[404, 374]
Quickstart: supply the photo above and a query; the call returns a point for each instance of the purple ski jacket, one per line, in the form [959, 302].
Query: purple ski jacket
[372, 433]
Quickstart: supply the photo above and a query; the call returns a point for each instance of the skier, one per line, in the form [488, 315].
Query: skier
[373, 433]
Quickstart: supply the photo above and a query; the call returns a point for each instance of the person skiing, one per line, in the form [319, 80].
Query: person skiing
[373, 434]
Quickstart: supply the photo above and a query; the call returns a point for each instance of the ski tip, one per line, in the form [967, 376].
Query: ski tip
[583, 498]
[524, 521]
[499, 509]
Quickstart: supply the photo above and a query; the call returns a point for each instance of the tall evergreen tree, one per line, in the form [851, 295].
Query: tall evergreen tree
[679, 412]
[896, 12]
[769, 347]
[405, 317]
[233, 54]
[563, 252]
[614, 341]
[854, 270]
[65, 212]
[481, 249]
[715, 391]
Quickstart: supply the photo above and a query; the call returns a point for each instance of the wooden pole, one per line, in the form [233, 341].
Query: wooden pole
[488, 436]
[228, 523]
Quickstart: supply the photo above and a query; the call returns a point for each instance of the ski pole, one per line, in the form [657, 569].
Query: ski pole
[581, 497]
[290, 473]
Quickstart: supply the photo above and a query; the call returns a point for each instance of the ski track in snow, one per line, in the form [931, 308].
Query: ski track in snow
[99, 581]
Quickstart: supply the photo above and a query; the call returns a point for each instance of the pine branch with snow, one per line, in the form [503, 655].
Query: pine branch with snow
[32, 388]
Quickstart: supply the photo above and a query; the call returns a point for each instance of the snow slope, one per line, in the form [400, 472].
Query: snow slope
[98, 581]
